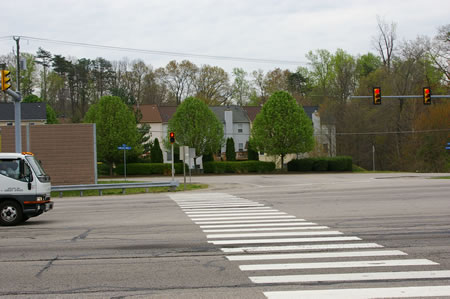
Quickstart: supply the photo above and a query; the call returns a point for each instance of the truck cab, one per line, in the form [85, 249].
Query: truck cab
[24, 188]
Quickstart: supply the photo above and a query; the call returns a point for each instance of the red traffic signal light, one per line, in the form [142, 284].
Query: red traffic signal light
[172, 137]
[426, 96]
[376, 93]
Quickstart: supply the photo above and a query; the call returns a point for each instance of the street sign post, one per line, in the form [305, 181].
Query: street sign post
[125, 148]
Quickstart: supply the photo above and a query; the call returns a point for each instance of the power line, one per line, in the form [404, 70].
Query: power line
[164, 53]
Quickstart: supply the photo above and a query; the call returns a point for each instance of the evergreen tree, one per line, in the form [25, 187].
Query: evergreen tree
[230, 151]
[156, 152]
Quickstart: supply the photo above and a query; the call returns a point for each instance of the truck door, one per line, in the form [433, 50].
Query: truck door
[16, 179]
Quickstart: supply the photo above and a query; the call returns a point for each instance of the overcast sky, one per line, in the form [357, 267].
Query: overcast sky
[263, 29]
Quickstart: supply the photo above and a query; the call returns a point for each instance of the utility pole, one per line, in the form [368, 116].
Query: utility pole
[17, 39]
[17, 110]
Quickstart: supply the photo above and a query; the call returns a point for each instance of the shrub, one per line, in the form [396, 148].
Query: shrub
[300, 164]
[320, 164]
[238, 167]
[149, 168]
[342, 163]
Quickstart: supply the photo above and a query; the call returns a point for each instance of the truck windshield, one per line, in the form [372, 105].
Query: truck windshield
[38, 170]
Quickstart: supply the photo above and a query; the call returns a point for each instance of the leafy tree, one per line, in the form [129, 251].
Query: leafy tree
[230, 150]
[51, 114]
[282, 127]
[196, 126]
[156, 154]
[116, 125]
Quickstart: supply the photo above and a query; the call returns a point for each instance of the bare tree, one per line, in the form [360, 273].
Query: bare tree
[178, 78]
[439, 51]
[384, 42]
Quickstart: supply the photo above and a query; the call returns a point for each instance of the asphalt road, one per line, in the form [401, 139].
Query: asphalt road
[248, 236]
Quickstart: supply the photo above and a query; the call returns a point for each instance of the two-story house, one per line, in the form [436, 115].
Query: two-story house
[237, 122]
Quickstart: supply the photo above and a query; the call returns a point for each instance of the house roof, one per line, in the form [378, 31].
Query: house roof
[29, 111]
[252, 111]
[158, 114]
[150, 114]
[239, 114]
[167, 112]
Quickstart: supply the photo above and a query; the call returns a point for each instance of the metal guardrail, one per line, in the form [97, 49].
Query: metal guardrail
[100, 187]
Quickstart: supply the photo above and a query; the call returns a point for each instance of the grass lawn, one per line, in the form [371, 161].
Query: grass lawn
[128, 191]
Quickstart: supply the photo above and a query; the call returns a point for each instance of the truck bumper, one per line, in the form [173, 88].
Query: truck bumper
[35, 209]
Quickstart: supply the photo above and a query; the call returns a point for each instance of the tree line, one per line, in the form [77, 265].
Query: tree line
[406, 134]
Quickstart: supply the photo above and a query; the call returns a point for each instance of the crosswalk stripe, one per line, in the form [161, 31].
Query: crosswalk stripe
[220, 206]
[264, 229]
[247, 217]
[398, 292]
[299, 247]
[240, 214]
[350, 264]
[277, 234]
[352, 276]
[287, 240]
[217, 203]
[249, 221]
[315, 255]
[232, 210]
[260, 224]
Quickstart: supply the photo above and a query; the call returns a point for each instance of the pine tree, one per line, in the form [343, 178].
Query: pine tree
[156, 154]
[230, 152]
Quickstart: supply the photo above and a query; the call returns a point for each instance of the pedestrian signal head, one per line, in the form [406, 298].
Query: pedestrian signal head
[426, 96]
[376, 92]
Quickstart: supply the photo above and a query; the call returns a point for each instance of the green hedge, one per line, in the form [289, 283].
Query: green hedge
[238, 167]
[149, 168]
[342, 163]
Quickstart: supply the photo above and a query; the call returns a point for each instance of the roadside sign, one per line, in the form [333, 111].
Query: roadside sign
[448, 146]
[124, 147]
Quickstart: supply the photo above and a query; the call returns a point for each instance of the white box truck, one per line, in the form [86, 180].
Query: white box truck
[24, 188]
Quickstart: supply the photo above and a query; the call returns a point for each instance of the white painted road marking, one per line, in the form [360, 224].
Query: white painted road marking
[315, 255]
[250, 221]
[239, 214]
[402, 292]
[264, 229]
[278, 234]
[290, 240]
[299, 247]
[352, 276]
[375, 263]
[232, 210]
[239, 218]
[259, 224]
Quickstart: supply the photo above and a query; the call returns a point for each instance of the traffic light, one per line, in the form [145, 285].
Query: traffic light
[426, 96]
[376, 92]
[172, 137]
[5, 80]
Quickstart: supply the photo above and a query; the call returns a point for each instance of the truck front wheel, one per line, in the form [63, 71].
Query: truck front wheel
[10, 213]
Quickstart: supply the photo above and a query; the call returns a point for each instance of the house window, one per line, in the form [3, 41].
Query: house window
[240, 130]
[241, 147]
